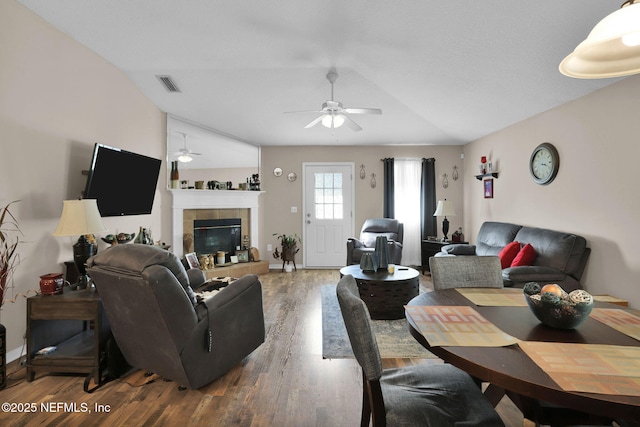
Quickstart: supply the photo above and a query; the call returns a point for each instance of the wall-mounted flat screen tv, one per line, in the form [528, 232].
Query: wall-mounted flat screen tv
[123, 183]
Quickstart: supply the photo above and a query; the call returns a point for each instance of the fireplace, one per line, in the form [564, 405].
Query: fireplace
[187, 201]
[213, 235]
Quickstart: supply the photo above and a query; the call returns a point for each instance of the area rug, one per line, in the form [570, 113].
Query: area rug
[394, 339]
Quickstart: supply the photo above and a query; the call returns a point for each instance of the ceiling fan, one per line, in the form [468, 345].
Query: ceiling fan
[184, 154]
[333, 114]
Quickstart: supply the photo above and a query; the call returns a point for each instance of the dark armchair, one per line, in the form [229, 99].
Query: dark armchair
[372, 228]
[160, 327]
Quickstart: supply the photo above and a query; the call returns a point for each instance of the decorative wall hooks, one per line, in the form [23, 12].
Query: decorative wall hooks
[363, 174]
[454, 174]
[373, 180]
[445, 181]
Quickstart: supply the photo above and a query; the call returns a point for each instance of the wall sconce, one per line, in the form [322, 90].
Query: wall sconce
[445, 181]
[363, 174]
[454, 174]
[373, 180]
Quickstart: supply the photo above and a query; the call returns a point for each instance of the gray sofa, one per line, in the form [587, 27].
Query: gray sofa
[392, 229]
[561, 257]
[161, 327]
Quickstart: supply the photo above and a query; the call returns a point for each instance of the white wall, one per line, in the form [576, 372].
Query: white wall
[57, 99]
[595, 193]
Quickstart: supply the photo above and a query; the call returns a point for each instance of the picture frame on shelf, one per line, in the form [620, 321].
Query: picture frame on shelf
[192, 260]
[488, 188]
[243, 255]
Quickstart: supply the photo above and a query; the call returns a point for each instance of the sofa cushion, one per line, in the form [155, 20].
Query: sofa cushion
[493, 236]
[526, 256]
[554, 248]
[508, 253]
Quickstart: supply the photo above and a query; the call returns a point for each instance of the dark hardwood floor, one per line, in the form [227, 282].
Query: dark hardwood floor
[285, 382]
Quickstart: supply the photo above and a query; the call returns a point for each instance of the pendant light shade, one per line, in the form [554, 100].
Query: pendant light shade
[612, 49]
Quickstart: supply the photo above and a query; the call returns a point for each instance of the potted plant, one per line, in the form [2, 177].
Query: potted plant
[9, 260]
[9, 240]
[289, 248]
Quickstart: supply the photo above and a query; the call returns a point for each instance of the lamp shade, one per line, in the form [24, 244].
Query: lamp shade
[444, 208]
[612, 48]
[80, 217]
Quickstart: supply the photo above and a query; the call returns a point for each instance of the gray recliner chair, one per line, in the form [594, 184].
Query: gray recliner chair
[372, 228]
[161, 327]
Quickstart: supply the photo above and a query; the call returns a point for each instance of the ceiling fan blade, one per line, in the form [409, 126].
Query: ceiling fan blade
[304, 111]
[314, 122]
[363, 110]
[353, 125]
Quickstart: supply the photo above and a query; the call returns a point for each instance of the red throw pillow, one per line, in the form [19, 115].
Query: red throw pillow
[526, 256]
[508, 253]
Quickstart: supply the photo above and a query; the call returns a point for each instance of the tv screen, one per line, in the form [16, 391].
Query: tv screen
[123, 183]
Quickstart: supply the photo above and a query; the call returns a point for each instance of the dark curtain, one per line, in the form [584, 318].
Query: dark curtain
[388, 200]
[428, 198]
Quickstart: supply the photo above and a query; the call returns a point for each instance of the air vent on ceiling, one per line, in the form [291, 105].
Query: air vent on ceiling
[168, 83]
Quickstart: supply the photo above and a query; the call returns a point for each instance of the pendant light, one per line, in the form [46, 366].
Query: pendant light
[612, 48]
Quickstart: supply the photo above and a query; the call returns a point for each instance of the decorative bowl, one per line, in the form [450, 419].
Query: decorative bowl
[564, 311]
[121, 238]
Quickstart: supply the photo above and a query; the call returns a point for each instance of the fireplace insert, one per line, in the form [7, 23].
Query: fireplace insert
[213, 235]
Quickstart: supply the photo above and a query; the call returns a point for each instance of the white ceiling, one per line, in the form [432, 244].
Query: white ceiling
[442, 72]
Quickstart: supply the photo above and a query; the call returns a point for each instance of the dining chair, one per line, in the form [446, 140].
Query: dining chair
[422, 395]
[465, 272]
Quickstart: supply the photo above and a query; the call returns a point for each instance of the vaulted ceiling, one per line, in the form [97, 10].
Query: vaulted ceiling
[442, 72]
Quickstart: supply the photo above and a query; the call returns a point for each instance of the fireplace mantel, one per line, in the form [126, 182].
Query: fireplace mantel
[213, 199]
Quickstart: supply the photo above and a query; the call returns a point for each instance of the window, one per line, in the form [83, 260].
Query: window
[328, 196]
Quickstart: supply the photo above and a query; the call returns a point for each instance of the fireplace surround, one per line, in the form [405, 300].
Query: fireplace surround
[186, 200]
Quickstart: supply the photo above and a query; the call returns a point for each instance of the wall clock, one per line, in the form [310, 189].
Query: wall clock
[544, 163]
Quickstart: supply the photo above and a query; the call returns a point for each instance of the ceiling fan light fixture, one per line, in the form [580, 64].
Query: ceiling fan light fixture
[332, 120]
[185, 158]
[612, 48]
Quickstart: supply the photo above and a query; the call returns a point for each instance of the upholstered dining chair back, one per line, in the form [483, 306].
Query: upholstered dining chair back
[466, 272]
[357, 321]
[420, 395]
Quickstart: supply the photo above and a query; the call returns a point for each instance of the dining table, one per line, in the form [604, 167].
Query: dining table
[508, 368]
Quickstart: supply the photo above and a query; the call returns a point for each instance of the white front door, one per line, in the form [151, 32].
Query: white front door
[328, 213]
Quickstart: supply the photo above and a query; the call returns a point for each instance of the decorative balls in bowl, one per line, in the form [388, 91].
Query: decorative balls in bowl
[556, 308]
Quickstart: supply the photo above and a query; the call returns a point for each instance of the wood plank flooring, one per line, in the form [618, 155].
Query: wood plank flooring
[285, 382]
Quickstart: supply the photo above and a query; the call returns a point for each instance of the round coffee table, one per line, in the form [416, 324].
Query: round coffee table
[385, 294]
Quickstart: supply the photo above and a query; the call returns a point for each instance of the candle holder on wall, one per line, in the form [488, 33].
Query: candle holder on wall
[363, 174]
[454, 174]
[373, 180]
[445, 181]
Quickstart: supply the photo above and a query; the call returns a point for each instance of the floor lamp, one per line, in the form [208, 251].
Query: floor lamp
[81, 217]
[444, 208]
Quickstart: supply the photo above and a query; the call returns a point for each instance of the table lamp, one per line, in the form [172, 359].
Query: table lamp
[80, 217]
[444, 208]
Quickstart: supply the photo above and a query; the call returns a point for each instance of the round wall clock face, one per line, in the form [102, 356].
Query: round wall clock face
[544, 163]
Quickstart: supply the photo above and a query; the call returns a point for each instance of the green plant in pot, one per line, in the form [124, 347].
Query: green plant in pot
[289, 248]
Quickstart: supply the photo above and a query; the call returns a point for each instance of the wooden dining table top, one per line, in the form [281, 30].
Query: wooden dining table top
[510, 368]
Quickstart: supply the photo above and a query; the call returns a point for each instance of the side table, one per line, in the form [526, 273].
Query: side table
[385, 294]
[431, 247]
[75, 323]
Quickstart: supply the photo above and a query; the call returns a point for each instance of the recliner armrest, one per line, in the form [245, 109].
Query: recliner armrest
[355, 242]
[459, 249]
